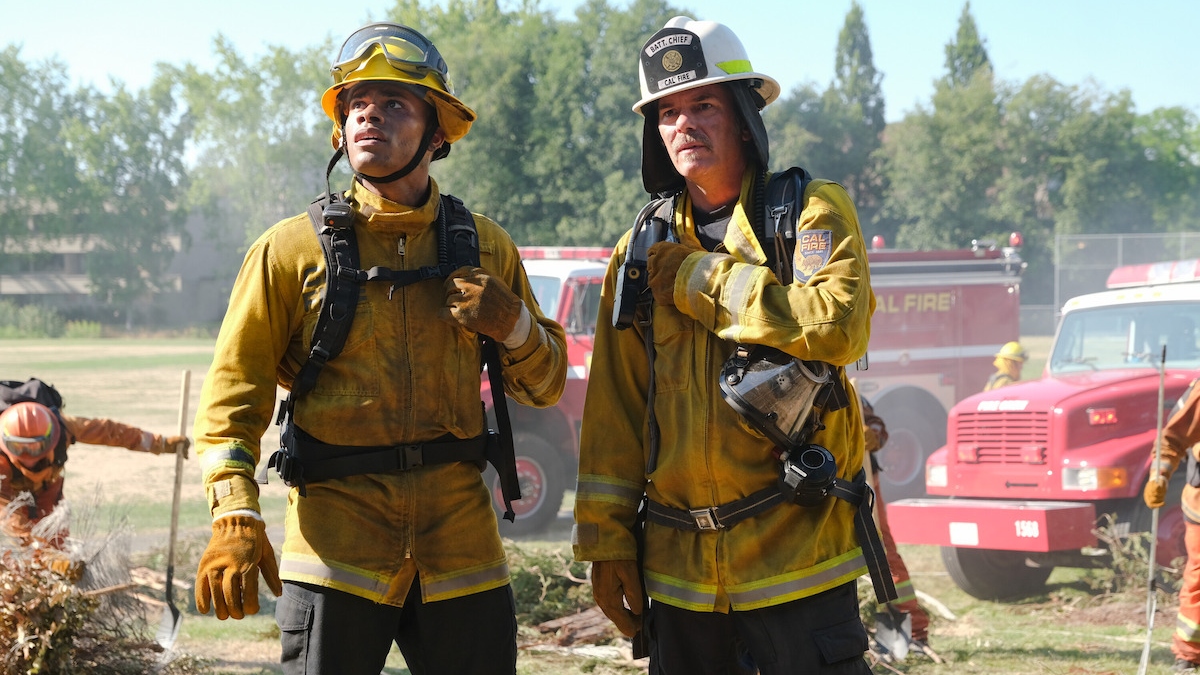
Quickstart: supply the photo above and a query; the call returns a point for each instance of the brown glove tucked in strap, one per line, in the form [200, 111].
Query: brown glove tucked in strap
[615, 582]
[481, 303]
[662, 266]
[229, 568]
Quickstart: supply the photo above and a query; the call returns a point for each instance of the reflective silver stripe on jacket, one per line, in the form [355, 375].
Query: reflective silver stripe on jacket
[608, 489]
[761, 594]
[374, 586]
[492, 576]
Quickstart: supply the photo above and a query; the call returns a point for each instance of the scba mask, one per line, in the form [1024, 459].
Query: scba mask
[786, 399]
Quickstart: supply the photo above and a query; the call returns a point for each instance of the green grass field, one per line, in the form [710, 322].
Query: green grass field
[1068, 630]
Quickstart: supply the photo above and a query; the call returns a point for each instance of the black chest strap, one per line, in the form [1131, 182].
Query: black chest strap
[458, 246]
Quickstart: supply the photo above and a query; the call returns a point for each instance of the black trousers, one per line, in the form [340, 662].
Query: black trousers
[818, 635]
[327, 632]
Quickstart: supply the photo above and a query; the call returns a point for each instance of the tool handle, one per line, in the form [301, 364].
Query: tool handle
[183, 405]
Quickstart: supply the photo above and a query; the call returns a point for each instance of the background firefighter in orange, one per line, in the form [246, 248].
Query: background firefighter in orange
[1009, 361]
[875, 436]
[1181, 432]
[33, 443]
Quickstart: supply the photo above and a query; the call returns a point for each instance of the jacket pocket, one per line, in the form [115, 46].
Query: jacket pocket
[354, 372]
[840, 642]
[294, 614]
[674, 349]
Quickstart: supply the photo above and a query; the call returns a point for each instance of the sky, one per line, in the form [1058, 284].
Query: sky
[1151, 48]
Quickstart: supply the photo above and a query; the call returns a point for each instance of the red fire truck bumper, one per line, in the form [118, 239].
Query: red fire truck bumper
[993, 524]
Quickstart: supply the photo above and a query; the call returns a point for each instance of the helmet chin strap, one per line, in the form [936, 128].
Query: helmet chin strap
[430, 130]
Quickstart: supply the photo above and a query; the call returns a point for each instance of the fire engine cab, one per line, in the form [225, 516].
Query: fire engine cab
[1029, 468]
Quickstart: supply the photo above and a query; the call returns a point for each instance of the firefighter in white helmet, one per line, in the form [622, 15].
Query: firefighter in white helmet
[390, 536]
[1009, 361]
[738, 578]
[33, 452]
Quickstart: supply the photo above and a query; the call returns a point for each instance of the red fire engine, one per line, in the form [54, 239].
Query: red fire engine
[941, 317]
[1030, 467]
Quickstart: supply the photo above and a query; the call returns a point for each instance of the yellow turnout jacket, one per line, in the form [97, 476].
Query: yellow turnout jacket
[709, 454]
[404, 377]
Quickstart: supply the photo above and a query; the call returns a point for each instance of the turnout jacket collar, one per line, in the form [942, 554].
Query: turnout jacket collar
[384, 215]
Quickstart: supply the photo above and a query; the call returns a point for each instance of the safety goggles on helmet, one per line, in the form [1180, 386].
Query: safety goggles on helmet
[27, 447]
[404, 48]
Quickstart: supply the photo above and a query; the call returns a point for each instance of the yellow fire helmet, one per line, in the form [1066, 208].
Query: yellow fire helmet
[391, 52]
[1014, 351]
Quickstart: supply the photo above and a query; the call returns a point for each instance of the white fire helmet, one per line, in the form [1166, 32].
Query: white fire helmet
[687, 54]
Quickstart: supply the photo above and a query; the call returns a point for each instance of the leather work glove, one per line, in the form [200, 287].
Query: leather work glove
[1155, 493]
[662, 265]
[170, 445]
[63, 566]
[481, 303]
[228, 572]
[615, 582]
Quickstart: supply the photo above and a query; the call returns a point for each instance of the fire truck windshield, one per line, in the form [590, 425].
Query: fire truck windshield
[545, 289]
[1127, 336]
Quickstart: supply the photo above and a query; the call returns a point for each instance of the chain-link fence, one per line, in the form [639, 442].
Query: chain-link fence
[1082, 263]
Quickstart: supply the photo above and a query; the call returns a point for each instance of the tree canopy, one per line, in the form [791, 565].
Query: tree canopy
[555, 154]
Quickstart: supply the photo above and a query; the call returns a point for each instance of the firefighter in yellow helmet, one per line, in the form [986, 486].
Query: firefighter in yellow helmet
[33, 454]
[1009, 361]
[740, 575]
[390, 535]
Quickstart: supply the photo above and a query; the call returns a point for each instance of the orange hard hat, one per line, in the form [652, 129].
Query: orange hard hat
[29, 432]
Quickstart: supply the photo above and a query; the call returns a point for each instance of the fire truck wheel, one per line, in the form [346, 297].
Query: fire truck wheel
[912, 437]
[994, 575]
[540, 472]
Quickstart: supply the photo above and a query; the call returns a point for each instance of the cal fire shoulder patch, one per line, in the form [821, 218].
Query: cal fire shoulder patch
[813, 249]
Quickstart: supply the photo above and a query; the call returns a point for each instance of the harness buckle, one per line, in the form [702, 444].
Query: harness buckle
[411, 456]
[706, 519]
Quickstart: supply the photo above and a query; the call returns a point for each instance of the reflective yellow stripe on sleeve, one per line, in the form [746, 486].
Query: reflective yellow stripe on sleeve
[230, 456]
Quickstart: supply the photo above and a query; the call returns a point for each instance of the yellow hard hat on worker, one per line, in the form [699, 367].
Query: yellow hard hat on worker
[390, 52]
[1014, 351]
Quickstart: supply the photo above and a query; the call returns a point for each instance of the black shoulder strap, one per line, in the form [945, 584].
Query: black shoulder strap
[784, 202]
[339, 299]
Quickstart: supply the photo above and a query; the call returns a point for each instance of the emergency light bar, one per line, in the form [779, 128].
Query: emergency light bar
[1173, 272]
[602, 253]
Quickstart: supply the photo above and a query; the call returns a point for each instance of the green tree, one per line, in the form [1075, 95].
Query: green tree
[128, 147]
[835, 134]
[941, 165]
[555, 154]
[261, 141]
[966, 55]
[39, 181]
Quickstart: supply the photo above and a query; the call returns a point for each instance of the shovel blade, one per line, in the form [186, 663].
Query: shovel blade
[893, 632]
[168, 627]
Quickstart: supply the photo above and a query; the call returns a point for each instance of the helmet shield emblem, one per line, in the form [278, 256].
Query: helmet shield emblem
[671, 57]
